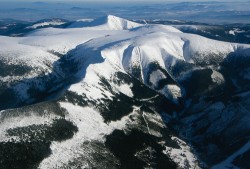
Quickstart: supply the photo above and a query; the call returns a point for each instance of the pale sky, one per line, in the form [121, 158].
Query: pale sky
[122, 0]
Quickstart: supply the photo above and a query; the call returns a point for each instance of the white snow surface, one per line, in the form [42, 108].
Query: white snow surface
[231, 32]
[62, 40]
[22, 120]
[182, 156]
[156, 76]
[142, 46]
[13, 51]
[157, 43]
[111, 44]
[125, 89]
[217, 77]
[91, 126]
[235, 31]
[108, 22]
[49, 23]
[172, 91]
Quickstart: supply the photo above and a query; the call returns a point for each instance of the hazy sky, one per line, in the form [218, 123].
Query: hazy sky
[122, 1]
[118, 0]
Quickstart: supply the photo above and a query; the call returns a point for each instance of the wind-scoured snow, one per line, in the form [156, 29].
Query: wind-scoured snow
[13, 51]
[52, 39]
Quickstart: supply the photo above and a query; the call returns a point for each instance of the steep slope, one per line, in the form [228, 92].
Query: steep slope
[19, 64]
[31, 70]
[151, 53]
[154, 55]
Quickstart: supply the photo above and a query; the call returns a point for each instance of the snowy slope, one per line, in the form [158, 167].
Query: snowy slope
[53, 39]
[108, 22]
[49, 22]
[141, 47]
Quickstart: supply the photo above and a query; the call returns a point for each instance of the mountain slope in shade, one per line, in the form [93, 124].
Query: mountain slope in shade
[117, 94]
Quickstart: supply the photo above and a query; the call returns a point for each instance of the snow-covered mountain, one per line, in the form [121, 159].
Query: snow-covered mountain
[46, 23]
[108, 22]
[112, 93]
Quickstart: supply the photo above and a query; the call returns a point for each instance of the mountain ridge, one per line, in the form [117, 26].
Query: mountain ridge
[109, 22]
[132, 86]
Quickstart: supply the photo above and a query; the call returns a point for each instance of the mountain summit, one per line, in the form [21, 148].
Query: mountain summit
[108, 22]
